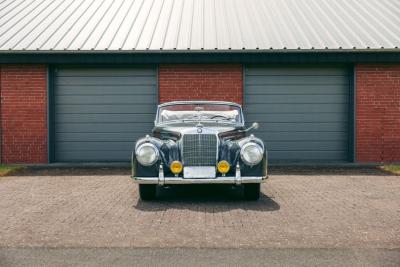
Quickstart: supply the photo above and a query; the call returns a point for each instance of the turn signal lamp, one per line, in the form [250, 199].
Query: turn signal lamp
[223, 166]
[176, 167]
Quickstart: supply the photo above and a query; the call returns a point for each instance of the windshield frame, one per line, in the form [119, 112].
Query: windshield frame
[174, 103]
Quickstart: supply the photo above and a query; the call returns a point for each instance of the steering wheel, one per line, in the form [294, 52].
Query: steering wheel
[221, 116]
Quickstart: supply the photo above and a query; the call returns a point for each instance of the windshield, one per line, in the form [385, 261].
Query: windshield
[204, 112]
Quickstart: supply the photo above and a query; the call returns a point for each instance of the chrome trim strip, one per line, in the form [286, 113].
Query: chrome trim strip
[266, 163]
[161, 178]
[218, 180]
[132, 166]
[238, 178]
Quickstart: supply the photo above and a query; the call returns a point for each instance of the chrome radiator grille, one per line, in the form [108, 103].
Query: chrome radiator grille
[199, 149]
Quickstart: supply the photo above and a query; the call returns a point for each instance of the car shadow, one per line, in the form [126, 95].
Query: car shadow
[50, 170]
[207, 198]
[316, 170]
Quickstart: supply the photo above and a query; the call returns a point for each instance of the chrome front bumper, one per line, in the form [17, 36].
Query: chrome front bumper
[180, 180]
[237, 179]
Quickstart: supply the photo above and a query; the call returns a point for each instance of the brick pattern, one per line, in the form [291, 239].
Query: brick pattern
[201, 82]
[24, 113]
[378, 113]
[299, 208]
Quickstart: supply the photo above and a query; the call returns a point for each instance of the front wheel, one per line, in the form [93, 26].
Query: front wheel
[147, 191]
[251, 191]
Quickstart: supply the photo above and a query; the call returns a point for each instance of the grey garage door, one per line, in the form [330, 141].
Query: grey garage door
[303, 112]
[99, 112]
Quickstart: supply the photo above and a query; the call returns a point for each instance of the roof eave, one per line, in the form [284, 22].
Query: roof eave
[204, 51]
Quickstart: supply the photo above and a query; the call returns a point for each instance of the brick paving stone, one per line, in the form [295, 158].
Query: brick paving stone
[355, 208]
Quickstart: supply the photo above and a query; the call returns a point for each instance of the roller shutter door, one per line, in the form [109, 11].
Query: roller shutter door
[303, 112]
[100, 112]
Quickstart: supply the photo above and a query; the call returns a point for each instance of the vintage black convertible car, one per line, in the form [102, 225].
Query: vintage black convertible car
[199, 142]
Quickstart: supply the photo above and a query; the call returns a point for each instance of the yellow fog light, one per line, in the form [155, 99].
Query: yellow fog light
[223, 166]
[176, 167]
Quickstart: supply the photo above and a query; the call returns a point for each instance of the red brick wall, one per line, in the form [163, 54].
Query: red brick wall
[23, 113]
[200, 82]
[378, 113]
[24, 105]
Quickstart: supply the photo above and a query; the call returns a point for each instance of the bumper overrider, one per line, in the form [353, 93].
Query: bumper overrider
[236, 180]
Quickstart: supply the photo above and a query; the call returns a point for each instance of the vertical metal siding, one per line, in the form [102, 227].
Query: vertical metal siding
[100, 112]
[303, 111]
[225, 25]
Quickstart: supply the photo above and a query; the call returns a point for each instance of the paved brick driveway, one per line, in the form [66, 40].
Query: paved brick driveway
[299, 208]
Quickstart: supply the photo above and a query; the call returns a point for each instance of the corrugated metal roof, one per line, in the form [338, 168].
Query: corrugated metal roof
[140, 25]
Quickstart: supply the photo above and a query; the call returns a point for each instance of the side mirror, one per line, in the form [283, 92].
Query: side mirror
[254, 126]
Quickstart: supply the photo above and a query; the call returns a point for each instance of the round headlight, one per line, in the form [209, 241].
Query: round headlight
[147, 154]
[251, 153]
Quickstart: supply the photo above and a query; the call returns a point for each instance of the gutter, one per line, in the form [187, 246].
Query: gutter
[207, 51]
[201, 57]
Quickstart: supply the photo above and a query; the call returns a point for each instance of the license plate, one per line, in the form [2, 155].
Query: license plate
[199, 172]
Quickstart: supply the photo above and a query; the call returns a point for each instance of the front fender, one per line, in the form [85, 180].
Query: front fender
[230, 151]
[168, 151]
